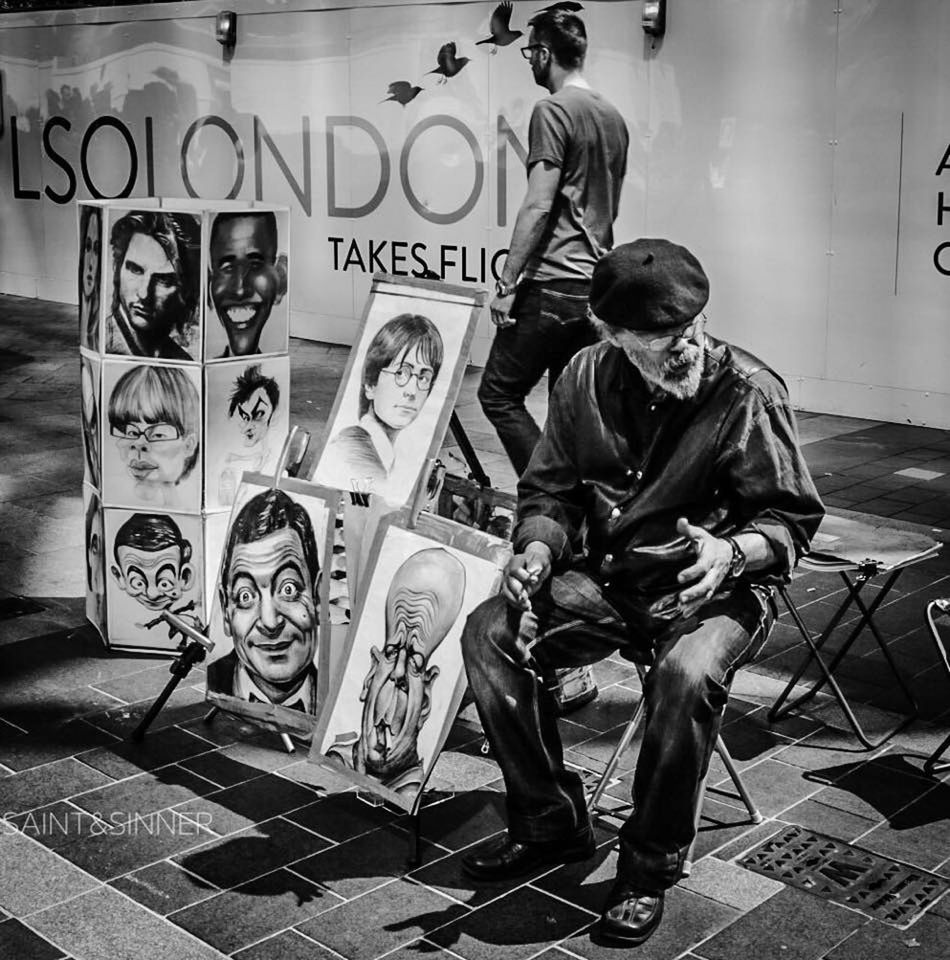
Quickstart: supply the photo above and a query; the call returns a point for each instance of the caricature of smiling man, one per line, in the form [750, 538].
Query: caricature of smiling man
[152, 561]
[268, 591]
[248, 277]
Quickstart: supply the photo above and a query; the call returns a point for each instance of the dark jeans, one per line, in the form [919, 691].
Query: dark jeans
[694, 661]
[551, 327]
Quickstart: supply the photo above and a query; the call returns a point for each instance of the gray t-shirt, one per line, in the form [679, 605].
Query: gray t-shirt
[577, 130]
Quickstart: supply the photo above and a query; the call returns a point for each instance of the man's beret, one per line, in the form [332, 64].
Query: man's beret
[650, 284]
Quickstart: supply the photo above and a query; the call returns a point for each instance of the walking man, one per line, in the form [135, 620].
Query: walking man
[577, 157]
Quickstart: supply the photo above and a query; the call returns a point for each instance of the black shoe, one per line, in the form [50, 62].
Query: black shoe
[630, 915]
[503, 858]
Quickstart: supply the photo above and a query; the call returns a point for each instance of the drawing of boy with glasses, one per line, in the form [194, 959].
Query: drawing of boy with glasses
[154, 420]
[402, 363]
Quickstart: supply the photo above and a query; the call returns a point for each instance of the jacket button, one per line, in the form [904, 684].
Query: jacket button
[639, 474]
[608, 558]
[615, 513]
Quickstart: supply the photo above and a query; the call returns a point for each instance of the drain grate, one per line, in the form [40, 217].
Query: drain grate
[11, 607]
[884, 889]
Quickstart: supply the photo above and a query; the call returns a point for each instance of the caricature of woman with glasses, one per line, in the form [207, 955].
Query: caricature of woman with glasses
[401, 366]
[153, 421]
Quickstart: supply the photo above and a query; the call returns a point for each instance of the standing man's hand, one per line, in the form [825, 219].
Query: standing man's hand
[500, 307]
[526, 573]
[713, 559]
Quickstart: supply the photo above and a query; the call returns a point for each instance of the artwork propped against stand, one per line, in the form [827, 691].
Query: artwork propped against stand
[399, 387]
[401, 678]
[269, 617]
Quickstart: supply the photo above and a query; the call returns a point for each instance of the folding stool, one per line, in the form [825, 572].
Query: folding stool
[859, 548]
[935, 763]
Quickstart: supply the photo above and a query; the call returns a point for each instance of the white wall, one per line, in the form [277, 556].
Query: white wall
[796, 149]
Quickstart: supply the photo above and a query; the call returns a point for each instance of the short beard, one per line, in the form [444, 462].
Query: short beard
[680, 380]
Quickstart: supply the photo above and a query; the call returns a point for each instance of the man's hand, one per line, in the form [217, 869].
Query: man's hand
[525, 574]
[499, 307]
[713, 557]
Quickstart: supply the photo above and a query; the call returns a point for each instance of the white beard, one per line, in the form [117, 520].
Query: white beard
[673, 376]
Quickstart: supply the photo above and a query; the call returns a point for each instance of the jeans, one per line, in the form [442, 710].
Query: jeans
[694, 661]
[551, 326]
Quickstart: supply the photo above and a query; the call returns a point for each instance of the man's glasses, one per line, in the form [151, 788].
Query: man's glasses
[527, 51]
[406, 371]
[153, 433]
[656, 344]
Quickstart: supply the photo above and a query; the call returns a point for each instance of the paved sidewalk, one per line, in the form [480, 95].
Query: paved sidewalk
[208, 840]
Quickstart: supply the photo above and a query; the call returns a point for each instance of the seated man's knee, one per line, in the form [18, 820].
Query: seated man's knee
[487, 627]
[687, 682]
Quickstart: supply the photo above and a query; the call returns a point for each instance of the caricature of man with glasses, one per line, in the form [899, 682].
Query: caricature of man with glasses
[153, 420]
[402, 363]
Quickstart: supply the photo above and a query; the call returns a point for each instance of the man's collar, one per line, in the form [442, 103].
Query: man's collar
[246, 689]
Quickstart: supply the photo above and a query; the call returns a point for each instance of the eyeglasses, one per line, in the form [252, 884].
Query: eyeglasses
[153, 433]
[526, 51]
[406, 371]
[656, 344]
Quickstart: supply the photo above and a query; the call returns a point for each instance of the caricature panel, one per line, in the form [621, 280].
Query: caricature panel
[389, 711]
[151, 291]
[90, 274]
[247, 304]
[90, 369]
[270, 604]
[95, 560]
[396, 398]
[151, 449]
[248, 417]
[153, 563]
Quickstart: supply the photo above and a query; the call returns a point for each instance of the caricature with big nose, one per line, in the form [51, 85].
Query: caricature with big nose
[423, 603]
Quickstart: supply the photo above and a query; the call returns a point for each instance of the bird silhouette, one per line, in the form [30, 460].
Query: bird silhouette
[500, 25]
[571, 6]
[402, 91]
[449, 63]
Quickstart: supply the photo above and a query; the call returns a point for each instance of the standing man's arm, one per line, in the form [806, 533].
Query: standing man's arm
[543, 180]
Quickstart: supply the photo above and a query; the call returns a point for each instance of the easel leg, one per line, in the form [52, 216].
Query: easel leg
[287, 742]
[415, 858]
[210, 715]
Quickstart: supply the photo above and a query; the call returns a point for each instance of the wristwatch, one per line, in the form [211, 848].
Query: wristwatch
[504, 289]
[738, 562]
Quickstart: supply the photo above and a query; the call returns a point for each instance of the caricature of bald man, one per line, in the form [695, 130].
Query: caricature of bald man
[423, 603]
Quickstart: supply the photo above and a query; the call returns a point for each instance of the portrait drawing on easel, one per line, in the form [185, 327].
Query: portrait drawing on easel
[401, 676]
[270, 604]
[399, 388]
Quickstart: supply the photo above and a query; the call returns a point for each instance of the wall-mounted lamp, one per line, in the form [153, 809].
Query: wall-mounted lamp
[225, 28]
[653, 18]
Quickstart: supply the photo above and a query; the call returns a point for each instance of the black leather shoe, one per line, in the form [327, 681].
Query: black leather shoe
[503, 858]
[630, 915]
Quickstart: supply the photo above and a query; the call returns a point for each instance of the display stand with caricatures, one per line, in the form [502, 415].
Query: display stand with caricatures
[185, 373]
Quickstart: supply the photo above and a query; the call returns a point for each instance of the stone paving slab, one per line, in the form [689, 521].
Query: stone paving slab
[32, 877]
[105, 925]
[256, 910]
[402, 912]
[19, 942]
